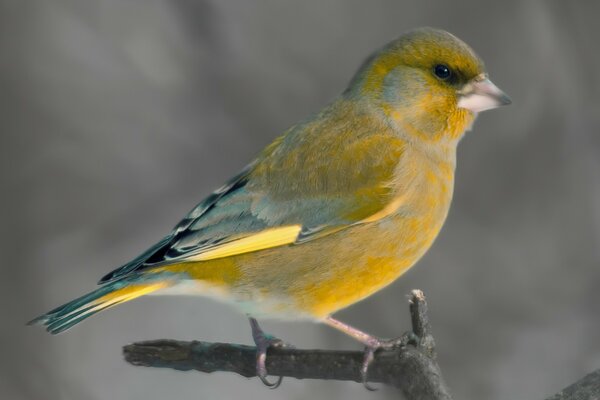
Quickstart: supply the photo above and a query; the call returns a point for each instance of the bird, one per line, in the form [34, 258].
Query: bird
[333, 210]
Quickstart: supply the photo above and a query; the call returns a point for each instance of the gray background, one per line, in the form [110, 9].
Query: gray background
[116, 117]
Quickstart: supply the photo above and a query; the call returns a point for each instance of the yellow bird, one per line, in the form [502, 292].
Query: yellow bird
[335, 209]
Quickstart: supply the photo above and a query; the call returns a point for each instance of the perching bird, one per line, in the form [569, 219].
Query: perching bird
[332, 211]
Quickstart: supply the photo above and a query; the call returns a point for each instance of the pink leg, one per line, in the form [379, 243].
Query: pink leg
[372, 344]
[363, 337]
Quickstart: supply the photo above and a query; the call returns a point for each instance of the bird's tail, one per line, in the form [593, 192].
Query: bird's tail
[64, 317]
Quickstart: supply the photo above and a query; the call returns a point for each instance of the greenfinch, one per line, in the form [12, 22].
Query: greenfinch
[333, 210]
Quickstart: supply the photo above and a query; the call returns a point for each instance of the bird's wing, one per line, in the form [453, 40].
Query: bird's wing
[174, 242]
[289, 196]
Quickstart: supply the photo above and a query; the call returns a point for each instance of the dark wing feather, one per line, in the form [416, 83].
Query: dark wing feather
[174, 244]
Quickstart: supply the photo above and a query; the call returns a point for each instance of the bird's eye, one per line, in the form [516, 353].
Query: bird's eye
[442, 71]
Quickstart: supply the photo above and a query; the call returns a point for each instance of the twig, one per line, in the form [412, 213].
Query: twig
[411, 368]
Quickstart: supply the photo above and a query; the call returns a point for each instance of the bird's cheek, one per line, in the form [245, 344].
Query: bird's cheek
[460, 121]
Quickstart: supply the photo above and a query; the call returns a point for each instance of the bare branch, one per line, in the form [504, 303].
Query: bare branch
[411, 368]
[408, 369]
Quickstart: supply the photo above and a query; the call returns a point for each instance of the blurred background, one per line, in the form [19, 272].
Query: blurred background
[116, 117]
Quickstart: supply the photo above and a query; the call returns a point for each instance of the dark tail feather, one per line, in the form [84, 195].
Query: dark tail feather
[64, 317]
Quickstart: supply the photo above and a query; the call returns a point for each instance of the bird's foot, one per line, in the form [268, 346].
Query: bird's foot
[372, 345]
[263, 341]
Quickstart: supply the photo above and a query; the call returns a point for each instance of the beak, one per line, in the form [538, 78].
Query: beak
[481, 94]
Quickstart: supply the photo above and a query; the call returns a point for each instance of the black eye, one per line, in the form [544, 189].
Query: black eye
[442, 71]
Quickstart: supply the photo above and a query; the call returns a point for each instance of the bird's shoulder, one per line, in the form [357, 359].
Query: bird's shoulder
[346, 150]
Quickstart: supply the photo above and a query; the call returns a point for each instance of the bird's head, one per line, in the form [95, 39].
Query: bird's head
[429, 83]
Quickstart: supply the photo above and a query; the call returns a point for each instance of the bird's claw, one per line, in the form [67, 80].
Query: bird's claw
[262, 345]
[263, 341]
[371, 348]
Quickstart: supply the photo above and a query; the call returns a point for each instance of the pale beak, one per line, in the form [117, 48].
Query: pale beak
[481, 94]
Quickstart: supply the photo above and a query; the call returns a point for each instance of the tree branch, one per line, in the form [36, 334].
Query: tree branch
[411, 368]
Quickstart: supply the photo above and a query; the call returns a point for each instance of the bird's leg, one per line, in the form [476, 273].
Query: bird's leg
[372, 344]
[263, 341]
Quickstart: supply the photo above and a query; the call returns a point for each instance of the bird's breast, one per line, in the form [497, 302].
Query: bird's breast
[343, 268]
[423, 185]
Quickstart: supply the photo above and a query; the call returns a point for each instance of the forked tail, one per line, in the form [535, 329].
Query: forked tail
[64, 317]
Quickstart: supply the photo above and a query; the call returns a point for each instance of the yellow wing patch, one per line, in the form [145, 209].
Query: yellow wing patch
[258, 241]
